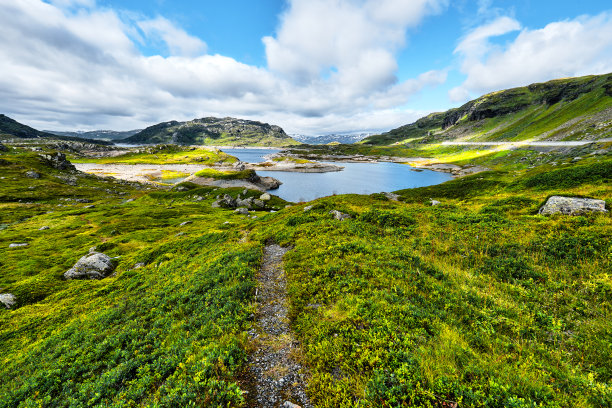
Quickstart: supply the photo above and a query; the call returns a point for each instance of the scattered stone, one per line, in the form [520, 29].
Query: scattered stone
[138, 265]
[339, 215]
[32, 174]
[8, 300]
[259, 203]
[308, 208]
[434, 202]
[265, 197]
[82, 200]
[182, 224]
[94, 265]
[198, 198]
[90, 206]
[18, 245]
[43, 228]
[242, 211]
[572, 206]
[181, 188]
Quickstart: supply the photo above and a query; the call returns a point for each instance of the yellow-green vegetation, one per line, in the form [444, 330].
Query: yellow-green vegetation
[295, 160]
[165, 154]
[227, 175]
[477, 301]
[563, 109]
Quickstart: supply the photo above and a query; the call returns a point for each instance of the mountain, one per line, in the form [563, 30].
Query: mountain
[96, 134]
[214, 131]
[348, 138]
[561, 110]
[11, 128]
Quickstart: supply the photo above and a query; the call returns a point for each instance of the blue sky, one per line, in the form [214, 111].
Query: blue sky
[310, 66]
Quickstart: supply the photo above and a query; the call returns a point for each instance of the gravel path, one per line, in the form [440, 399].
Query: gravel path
[276, 377]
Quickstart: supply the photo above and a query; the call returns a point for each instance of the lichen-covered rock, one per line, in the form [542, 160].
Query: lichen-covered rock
[94, 265]
[242, 211]
[8, 300]
[265, 197]
[339, 215]
[572, 206]
[32, 174]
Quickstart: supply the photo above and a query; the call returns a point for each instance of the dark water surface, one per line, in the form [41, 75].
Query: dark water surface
[356, 178]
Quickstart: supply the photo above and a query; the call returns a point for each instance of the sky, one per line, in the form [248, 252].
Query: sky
[310, 66]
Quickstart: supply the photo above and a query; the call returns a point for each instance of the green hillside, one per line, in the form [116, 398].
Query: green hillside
[214, 131]
[10, 128]
[561, 110]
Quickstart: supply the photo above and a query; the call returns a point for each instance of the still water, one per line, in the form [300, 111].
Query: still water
[356, 178]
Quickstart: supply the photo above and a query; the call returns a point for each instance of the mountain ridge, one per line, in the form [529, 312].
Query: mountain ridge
[563, 109]
[214, 131]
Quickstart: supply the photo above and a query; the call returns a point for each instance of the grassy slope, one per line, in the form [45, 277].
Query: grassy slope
[477, 300]
[165, 154]
[567, 109]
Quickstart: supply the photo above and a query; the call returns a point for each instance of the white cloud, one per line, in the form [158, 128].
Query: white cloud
[178, 41]
[567, 48]
[331, 68]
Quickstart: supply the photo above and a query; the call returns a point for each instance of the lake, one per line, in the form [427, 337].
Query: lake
[356, 178]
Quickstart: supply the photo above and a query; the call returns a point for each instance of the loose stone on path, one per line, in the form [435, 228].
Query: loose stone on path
[275, 375]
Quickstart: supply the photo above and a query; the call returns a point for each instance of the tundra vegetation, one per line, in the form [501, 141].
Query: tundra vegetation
[478, 301]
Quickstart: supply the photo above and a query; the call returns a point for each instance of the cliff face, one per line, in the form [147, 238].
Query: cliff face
[564, 109]
[214, 131]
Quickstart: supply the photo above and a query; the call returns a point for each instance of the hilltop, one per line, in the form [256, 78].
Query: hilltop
[10, 128]
[96, 134]
[214, 131]
[560, 110]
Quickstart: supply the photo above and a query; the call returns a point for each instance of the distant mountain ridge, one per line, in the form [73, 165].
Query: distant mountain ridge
[96, 134]
[560, 110]
[11, 128]
[348, 138]
[214, 131]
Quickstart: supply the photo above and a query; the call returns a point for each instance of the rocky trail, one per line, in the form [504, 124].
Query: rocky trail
[276, 378]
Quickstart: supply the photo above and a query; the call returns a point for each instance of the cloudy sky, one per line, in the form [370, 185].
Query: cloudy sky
[310, 66]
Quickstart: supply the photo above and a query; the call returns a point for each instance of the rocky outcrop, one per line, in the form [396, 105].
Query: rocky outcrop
[94, 265]
[253, 182]
[58, 161]
[228, 201]
[340, 216]
[8, 300]
[572, 206]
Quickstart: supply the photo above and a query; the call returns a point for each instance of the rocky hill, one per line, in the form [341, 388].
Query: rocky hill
[214, 131]
[346, 138]
[560, 110]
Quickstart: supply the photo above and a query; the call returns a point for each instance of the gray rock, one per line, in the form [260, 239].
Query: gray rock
[339, 215]
[247, 202]
[434, 202]
[94, 265]
[181, 188]
[8, 300]
[265, 197]
[572, 206]
[182, 224]
[32, 174]
[391, 196]
[18, 245]
[259, 203]
[289, 404]
[242, 211]
[58, 160]
[307, 208]
[139, 265]
[43, 228]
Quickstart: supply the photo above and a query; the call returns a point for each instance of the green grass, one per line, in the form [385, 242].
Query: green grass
[478, 300]
[165, 154]
[226, 175]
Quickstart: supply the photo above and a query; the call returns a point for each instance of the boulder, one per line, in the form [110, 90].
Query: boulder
[265, 197]
[32, 174]
[58, 161]
[43, 228]
[339, 215]
[225, 202]
[18, 245]
[289, 404]
[94, 265]
[242, 211]
[434, 202]
[572, 206]
[269, 183]
[8, 300]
